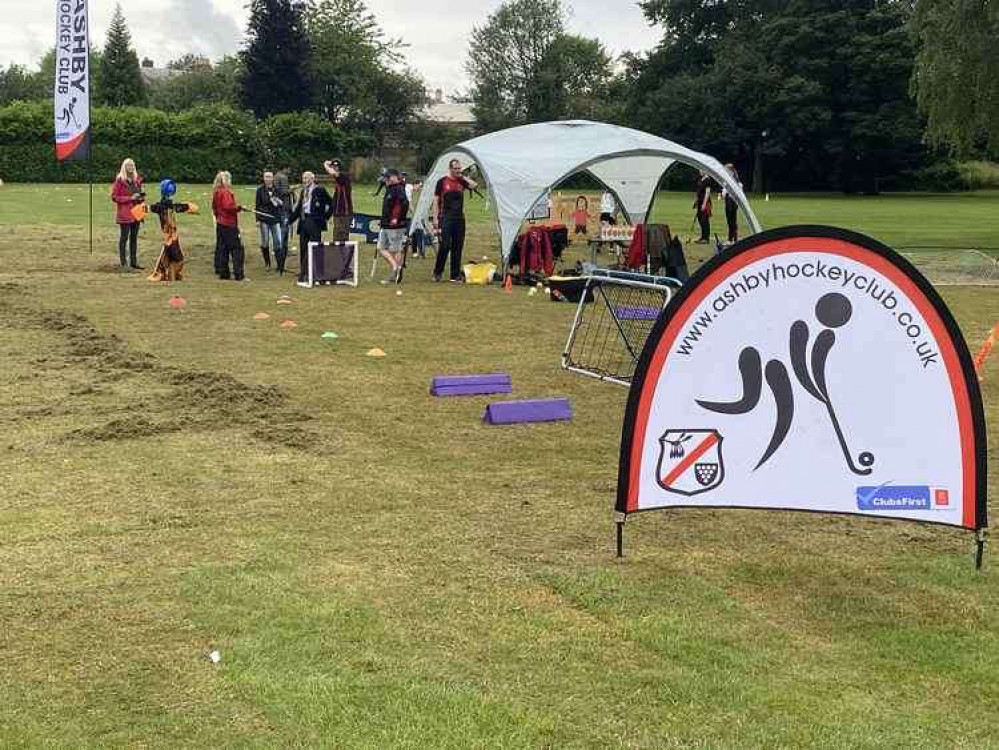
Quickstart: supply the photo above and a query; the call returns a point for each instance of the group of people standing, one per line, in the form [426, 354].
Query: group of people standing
[277, 207]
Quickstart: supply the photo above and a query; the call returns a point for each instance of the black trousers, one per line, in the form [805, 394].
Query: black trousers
[704, 219]
[732, 218]
[218, 250]
[129, 234]
[452, 243]
[230, 246]
[308, 231]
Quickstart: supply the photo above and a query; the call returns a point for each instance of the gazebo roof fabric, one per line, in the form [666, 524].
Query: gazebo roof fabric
[520, 165]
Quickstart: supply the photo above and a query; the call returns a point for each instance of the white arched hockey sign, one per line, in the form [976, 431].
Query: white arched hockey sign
[811, 369]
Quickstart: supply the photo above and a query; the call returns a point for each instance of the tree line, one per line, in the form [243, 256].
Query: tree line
[854, 95]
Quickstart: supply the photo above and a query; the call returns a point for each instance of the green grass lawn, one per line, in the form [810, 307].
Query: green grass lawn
[380, 570]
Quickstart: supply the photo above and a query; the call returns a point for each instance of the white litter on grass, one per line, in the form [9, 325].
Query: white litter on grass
[215, 657]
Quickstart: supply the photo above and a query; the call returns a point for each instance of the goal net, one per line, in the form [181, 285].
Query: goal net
[331, 263]
[953, 266]
[614, 318]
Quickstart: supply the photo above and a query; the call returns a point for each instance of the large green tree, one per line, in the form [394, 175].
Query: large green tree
[956, 79]
[816, 91]
[275, 59]
[359, 79]
[17, 83]
[506, 59]
[121, 82]
[524, 68]
[197, 81]
[574, 80]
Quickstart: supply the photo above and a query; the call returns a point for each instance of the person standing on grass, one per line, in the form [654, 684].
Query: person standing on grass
[731, 207]
[268, 213]
[343, 204]
[702, 205]
[126, 194]
[312, 213]
[449, 219]
[226, 212]
[392, 236]
[282, 188]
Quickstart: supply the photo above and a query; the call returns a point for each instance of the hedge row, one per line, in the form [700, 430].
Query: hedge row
[190, 146]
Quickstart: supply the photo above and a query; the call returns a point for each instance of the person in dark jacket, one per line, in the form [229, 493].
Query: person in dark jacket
[343, 204]
[127, 194]
[226, 211]
[268, 209]
[731, 207]
[392, 236]
[702, 205]
[312, 213]
[282, 187]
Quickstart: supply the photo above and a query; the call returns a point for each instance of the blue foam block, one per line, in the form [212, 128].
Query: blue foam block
[515, 412]
[471, 385]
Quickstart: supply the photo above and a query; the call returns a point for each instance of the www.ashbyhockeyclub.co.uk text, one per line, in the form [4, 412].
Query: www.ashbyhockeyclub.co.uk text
[868, 284]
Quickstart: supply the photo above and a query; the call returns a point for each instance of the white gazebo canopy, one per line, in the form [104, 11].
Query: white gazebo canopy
[521, 165]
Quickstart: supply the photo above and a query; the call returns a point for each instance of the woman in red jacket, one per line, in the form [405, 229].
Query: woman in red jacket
[127, 193]
[226, 212]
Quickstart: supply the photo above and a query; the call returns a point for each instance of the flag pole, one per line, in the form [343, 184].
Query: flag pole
[90, 131]
[90, 182]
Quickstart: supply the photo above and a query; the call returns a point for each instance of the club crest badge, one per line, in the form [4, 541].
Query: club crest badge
[690, 461]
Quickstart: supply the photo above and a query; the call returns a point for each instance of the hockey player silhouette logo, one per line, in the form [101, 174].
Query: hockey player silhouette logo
[68, 114]
[690, 461]
[832, 311]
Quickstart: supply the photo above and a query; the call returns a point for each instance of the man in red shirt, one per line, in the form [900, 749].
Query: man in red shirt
[449, 219]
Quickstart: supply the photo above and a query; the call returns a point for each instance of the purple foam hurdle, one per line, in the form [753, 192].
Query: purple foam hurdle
[637, 313]
[514, 412]
[471, 385]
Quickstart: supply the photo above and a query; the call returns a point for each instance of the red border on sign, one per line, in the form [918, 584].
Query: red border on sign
[824, 243]
[66, 149]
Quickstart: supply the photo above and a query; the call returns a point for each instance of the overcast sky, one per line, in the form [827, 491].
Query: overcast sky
[436, 30]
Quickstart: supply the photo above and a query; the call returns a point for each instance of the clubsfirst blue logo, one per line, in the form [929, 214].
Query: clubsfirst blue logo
[896, 497]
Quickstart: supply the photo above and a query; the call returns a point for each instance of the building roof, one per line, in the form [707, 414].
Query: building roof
[151, 75]
[450, 114]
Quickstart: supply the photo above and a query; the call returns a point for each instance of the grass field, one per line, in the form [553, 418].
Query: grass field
[379, 570]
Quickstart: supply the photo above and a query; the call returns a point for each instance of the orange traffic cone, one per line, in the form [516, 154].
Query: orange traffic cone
[508, 284]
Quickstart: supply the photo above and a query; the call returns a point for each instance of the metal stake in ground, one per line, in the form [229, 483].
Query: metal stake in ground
[619, 519]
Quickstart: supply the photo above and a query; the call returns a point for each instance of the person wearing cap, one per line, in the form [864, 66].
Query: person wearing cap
[392, 236]
[226, 212]
[343, 204]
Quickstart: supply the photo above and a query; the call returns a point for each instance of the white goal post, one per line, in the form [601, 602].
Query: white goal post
[332, 263]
